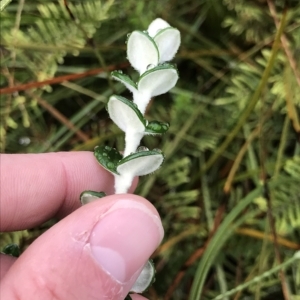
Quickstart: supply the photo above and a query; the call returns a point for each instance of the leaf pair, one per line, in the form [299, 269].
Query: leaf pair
[155, 46]
[155, 81]
[139, 163]
[147, 52]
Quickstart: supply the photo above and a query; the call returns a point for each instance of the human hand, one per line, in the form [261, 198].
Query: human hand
[94, 252]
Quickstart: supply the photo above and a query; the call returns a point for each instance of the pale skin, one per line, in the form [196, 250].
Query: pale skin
[93, 252]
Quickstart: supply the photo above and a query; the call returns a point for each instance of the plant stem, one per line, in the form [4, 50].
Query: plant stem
[259, 278]
[122, 183]
[283, 140]
[141, 100]
[132, 141]
[210, 223]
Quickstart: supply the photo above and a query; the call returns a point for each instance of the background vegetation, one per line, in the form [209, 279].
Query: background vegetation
[229, 192]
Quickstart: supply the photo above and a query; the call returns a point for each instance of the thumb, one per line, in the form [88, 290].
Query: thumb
[97, 252]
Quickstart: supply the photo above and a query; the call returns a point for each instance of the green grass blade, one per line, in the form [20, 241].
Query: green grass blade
[221, 236]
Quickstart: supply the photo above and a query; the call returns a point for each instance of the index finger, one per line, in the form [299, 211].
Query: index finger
[36, 187]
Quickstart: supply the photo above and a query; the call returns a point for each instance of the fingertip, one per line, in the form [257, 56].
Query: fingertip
[6, 261]
[136, 233]
[98, 249]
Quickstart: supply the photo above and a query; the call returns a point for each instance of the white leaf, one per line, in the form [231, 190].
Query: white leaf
[157, 25]
[141, 51]
[167, 41]
[158, 80]
[143, 163]
[85, 199]
[90, 196]
[145, 278]
[125, 114]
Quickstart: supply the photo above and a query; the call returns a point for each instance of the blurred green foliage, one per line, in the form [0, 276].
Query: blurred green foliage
[227, 46]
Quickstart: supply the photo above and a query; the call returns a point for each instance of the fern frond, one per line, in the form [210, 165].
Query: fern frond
[56, 28]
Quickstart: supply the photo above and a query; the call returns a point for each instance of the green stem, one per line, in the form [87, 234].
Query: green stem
[262, 257]
[222, 234]
[206, 198]
[210, 222]
[259, 278]
[282, 144]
